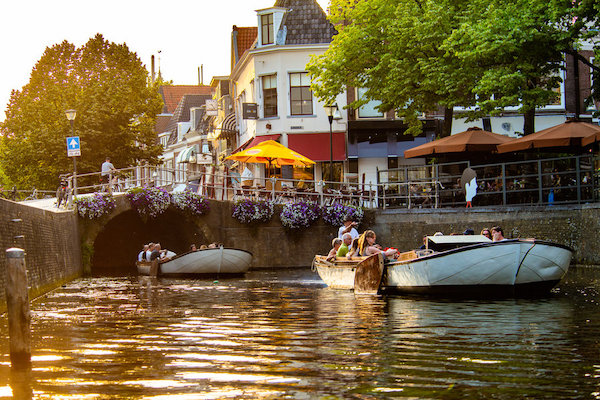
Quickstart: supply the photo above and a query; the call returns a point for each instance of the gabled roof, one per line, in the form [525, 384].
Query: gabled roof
[162, 122]
[182, 112]
[172, 94]
[242, 38]
[305, 22]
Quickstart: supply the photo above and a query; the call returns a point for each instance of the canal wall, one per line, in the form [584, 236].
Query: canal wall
[51, 244]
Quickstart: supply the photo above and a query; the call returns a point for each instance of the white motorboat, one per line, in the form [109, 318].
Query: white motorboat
[462, 264]
[221, 260]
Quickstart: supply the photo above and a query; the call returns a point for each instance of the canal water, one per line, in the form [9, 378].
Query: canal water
[283, 334]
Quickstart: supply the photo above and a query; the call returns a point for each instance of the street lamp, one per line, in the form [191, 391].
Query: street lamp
[71, 114]
[333, 112]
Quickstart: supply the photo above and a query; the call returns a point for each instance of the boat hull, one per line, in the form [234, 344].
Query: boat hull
[508, 267]
[207, 261]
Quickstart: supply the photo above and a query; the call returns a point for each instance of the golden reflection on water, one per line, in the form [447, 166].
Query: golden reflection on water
[294, 338]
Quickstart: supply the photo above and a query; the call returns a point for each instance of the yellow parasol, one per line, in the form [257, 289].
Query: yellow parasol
[271, 152]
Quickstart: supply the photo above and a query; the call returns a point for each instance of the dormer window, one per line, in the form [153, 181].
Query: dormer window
[267, 29]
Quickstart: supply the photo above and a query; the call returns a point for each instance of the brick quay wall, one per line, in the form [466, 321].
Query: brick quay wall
[51, 244]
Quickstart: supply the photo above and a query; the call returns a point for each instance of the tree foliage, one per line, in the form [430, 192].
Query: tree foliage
[392, 49]
[116, 110]
[414, 55]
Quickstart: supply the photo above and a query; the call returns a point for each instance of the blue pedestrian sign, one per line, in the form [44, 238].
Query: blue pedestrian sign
[73, 149]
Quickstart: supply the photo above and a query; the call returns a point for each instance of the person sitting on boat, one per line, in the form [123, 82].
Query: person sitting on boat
[497, 234]
[336, 243]
[142, 254]
[155, 252]
[353, 252]
[193, 247]
[149, 251]
[368, 247]
[486, 232]
[345, 247]
[348, 227]
[213, 245]
[203, 247]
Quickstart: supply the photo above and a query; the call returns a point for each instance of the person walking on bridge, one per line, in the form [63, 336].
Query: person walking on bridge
[105, 176]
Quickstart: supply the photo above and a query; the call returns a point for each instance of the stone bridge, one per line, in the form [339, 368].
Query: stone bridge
[110, 244]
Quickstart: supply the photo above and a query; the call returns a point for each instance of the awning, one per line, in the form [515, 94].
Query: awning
[228, 127]
[186, 154]
[316, 145]
[254, 141]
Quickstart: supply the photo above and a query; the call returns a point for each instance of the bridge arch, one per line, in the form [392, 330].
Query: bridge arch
[112, 243]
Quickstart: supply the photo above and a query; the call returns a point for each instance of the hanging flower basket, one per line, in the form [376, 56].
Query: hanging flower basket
[149, 201]
[301, 214]
[191, 203]
[335, 214]
[95, 206]
[248, 211]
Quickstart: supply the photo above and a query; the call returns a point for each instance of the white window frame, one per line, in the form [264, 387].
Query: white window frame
[312, 106]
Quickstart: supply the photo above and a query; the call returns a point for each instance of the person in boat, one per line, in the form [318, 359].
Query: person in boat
[424, 245]
[345, 247]
[203, 247]
[336, 243]
[468, 231]
[155, 252]
[353, 249]
[193, 247]
[149, 251]
[348, 227]
[368, 247]
[486, 232]
[213, 245]
[497, 234]
[142, 254]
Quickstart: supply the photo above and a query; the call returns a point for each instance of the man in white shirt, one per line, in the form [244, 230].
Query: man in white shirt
[348, 227]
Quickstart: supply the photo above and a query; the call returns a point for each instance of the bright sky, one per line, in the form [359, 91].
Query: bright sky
[187, 32]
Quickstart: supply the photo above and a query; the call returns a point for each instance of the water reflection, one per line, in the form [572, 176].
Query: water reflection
[282, 334]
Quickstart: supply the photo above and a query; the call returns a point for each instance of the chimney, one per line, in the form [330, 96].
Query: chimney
[152, 68]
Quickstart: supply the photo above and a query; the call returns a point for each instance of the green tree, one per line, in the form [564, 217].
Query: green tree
[518, 48]
[116, 110]
[392, 49]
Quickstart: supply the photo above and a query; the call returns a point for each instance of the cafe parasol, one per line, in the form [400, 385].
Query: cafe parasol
[271, 152]
[473, 139]
[570, 133]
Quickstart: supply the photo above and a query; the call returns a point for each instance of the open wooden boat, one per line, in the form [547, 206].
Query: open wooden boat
[222, 260]
[462, 264]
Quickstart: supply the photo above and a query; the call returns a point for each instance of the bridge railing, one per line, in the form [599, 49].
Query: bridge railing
[232, 187]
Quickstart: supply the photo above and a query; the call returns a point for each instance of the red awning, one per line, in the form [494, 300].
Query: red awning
[256, 140]
[316, 145]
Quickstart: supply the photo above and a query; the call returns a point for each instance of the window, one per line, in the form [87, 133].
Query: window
[269, 86]
[266, 23]
[300, 94]
[368, 110]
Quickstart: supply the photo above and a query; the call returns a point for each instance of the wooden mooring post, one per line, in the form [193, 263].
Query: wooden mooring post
[17, 305]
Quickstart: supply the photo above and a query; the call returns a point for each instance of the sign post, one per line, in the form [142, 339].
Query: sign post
[74, 150]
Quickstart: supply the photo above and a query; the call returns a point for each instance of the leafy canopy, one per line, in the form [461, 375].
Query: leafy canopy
[116, 110]
[416, 55]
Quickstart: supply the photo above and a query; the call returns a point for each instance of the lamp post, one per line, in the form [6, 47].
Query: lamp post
[333, 112]
[71, 114]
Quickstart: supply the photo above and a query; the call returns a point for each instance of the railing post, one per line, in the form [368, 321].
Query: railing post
[540, 183]
[578, 178]
[503, 183]
[383, 195]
